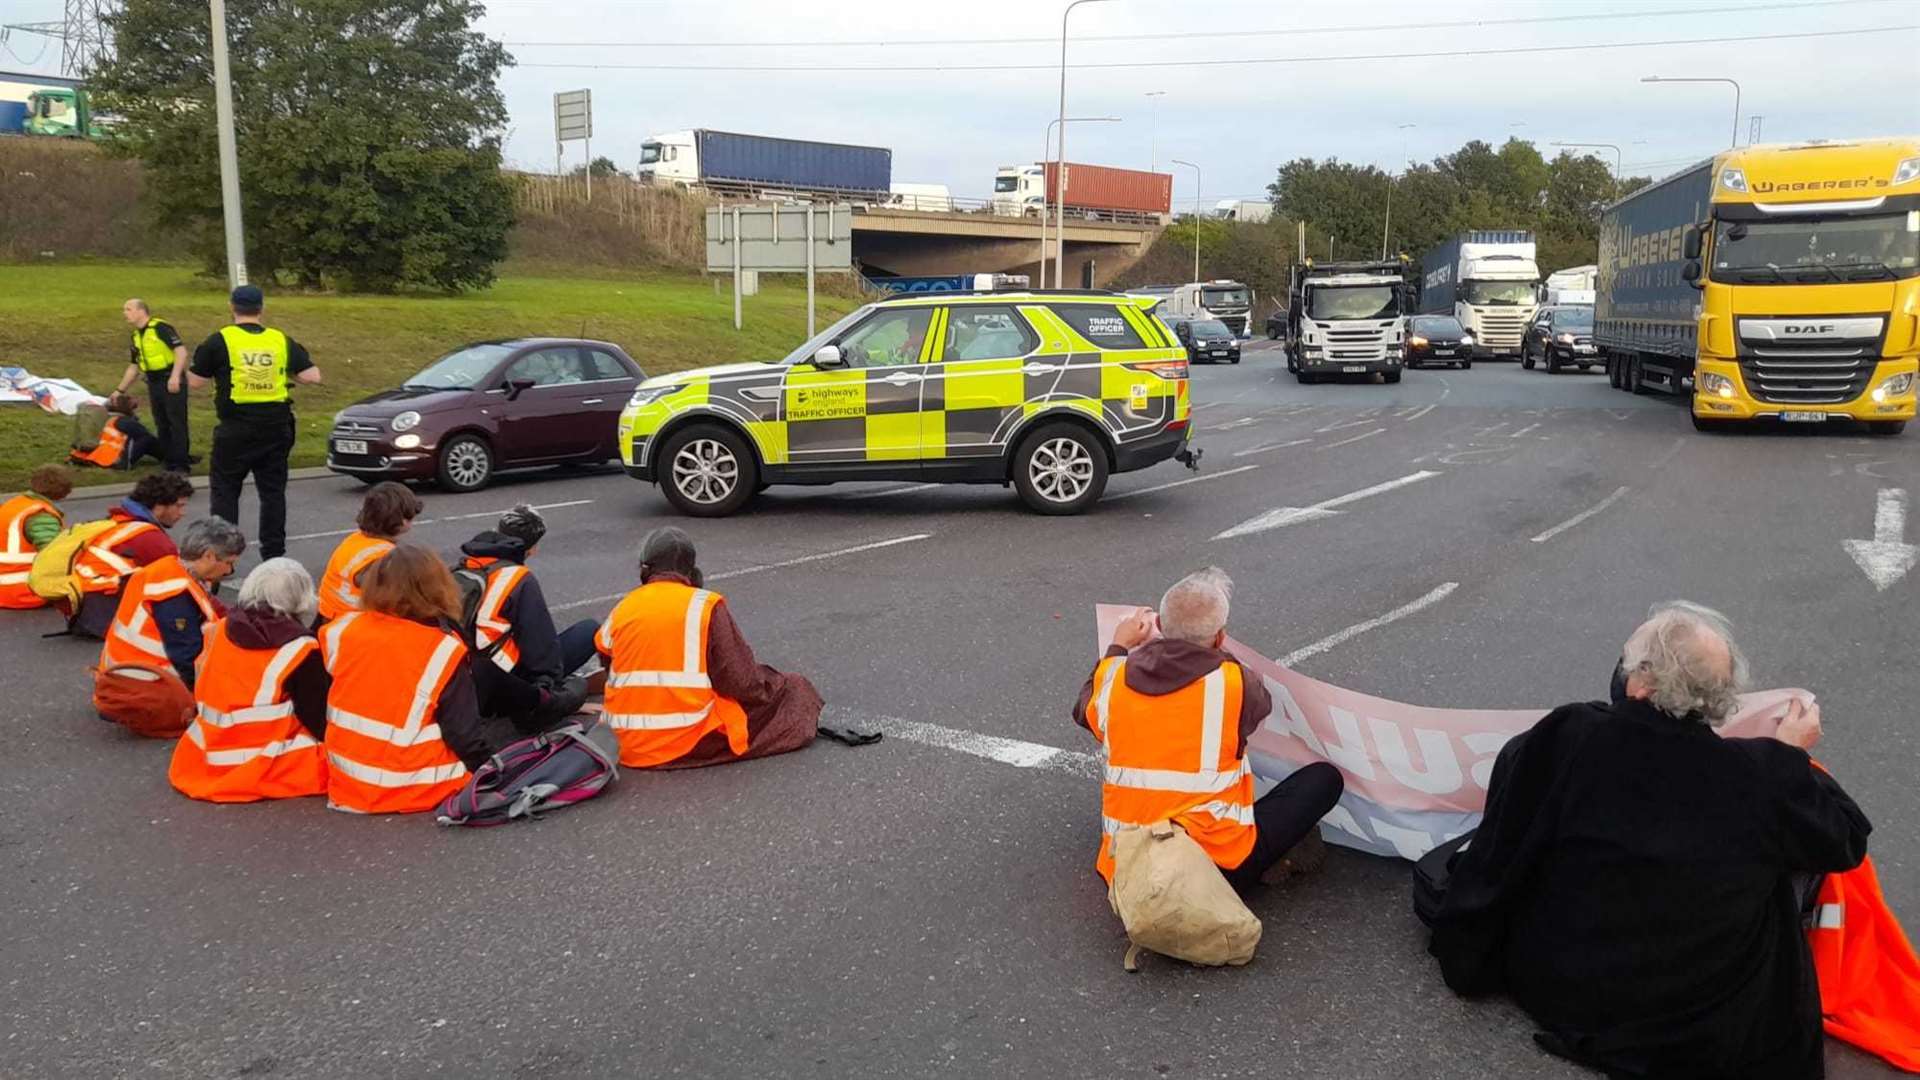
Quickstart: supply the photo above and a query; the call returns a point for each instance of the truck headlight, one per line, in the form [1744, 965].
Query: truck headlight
[647, 395]
[1734, 179]
[406, 421]
[1897, 385]
[1717, 385]
[1310, 353]
[1906, 170]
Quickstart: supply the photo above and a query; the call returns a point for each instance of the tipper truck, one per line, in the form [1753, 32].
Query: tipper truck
[1778, 282]
[1094, 192]
[751, 165]
[1489, 281]
[1349, 318]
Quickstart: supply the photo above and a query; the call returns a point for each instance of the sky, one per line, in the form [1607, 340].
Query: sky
[1237, 121]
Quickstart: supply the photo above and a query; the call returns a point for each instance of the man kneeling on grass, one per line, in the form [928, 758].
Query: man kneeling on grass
[1174, 713]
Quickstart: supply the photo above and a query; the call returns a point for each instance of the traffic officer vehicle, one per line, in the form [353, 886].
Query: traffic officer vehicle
[1049, 391]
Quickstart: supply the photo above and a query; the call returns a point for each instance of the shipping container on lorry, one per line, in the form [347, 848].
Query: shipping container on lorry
[1488, 280]
[1094, 192]
[1773, 282]
[730, 163]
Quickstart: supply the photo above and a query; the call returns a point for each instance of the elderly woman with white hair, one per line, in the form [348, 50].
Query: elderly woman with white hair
[1174, 713]
[261, 698]
[1638, 882]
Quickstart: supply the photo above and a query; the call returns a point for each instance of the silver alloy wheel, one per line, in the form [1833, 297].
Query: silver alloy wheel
[1061, 470]
[705, 471]
[468, 463]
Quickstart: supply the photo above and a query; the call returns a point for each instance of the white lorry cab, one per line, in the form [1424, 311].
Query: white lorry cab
[1228, 301]
[671, 159]
[1489, 281]
[1020, 190]
[1349, 318]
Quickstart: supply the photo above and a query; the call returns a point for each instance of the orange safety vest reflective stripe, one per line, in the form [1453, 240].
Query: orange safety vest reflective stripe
[99, 566]
[245, 743]
[113, 443]
[489, 625]
[385, 754]
[17, 551]
[134, 638]
[1869, 976]
[1173, 757]
[340, 584]
[660, 702]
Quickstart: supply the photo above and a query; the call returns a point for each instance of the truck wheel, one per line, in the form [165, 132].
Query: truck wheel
[708, 471]
[1390, 377]
[1711, 427]
[1636, 378]
[1613, 371]
[1886, 427]
[1306, 378]
[1060, 469]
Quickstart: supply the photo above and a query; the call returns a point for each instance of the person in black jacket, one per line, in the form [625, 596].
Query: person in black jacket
[1638, 882]
[546, 656]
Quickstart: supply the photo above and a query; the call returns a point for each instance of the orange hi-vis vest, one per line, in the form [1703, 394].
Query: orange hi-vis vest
[106, 454]
[1869, 976]
[489, 625]
[385, 754]
[1173, 757]
[245, 743]
[17, 551]
[660, 701]
[99, 566]
[134, 638]
[340, 584]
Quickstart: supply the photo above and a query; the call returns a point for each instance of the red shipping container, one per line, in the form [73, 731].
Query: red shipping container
[1125, 190]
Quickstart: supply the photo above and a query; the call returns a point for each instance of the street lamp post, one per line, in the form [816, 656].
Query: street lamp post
[1153, 129]
[1196, 214]
[1707, 79]
[1618, 165]
[1386, 227]
[229, 151]
[1060, 169]
[1051, 124]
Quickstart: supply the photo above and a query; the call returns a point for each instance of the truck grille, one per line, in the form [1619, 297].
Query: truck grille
[1500, 332]
[1356, 345]
[1832, 367]
[1235, 323]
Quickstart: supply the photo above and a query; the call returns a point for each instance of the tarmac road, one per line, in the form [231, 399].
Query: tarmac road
[927, 905]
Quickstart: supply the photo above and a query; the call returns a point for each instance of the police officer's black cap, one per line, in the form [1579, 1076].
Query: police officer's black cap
[248, 298]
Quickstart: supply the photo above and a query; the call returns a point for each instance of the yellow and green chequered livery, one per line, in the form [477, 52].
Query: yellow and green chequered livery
[1051, 392]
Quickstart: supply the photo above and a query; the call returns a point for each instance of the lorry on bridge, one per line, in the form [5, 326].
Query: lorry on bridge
[1777, 282]
[1094, 192]
[1488, 280]
[1248, 210]
[1228, 301]
[728, 163]
[1349, 318]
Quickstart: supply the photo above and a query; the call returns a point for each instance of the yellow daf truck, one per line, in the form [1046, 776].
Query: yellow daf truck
[1773, 282]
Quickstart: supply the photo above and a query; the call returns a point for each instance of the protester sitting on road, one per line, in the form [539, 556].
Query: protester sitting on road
[158, 503]
[261, 699]
[124, 440]
[1174, 713]
[403, 718]
[512, 619]
[1637, 884]
[385, 515]
[28, 521]
[167, 602]
[683, 688]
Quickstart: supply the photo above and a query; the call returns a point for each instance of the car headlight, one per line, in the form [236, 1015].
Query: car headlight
[1466, 339]
[1717, 385]
[647, 395]
[406, 421]
[1416, 340]
[1906, 170]
[406, 442]
[1566, 339]
[1895, 386]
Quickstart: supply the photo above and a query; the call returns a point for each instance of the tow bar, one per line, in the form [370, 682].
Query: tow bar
[1189, 458]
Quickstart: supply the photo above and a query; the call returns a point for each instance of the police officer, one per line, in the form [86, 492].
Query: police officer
[253, 368]
[160, 355]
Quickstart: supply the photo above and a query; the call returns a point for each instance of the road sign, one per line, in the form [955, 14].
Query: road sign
[793, 238]
[573, 119]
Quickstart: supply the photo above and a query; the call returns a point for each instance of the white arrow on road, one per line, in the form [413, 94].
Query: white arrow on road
[1293, 515]
[1887, 557]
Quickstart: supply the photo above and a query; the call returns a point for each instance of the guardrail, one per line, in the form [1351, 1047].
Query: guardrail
[898, 202]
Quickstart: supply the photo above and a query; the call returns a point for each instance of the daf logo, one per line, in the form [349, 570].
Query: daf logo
[1809, 328]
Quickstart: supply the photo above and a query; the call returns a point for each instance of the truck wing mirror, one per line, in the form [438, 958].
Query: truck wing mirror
[1690, 245]
[1691, 273]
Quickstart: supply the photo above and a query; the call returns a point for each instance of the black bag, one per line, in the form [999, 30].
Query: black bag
[1430, 875]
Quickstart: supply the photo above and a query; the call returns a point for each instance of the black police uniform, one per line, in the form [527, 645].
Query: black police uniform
[252, 437]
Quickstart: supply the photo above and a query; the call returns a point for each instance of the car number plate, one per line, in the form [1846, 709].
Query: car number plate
[1583, 348]
[1355, 369]
[1443, 352]
[349, 446]
[1804, 417]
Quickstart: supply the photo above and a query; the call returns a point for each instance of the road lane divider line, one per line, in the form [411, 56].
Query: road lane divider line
[743, 571]
[1292, 515]
[890, 491]
[1270, 446]
[1015, 752]
[1178, 483]
[1618, 494]
[1522, 431]
[438, 520]
[1418, 413]
[1355, 439]
[1343, 636]
[1345, 424]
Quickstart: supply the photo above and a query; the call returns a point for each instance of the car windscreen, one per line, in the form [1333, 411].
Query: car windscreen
[1566, 319]
[1210, 328]
[463, 369]
[1335, 302]
[1445, 326]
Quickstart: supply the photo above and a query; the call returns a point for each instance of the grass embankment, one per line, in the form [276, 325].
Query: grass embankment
[63, 321]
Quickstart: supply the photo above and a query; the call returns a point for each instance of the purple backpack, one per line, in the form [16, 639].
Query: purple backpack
[555, 769]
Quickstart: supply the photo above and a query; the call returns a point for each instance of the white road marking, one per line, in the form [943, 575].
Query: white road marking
[1178, 483]
[1618, 494]
[1231, 424]
[1419, 412]
[1522, 431]
[1270, 446]
[1208, 405]
[1292, 515]
[450, 517]
[1355, 439]
[1015, 752]
[745, 570]
[1344, 424]
[1887, 557]
[1668, 454]
[1351, 632]
[890, 491]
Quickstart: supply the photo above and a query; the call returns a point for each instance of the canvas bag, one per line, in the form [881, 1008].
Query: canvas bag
[555, 769]
[51, 575]
[147, 701]
[1173, 900]
[89, 420]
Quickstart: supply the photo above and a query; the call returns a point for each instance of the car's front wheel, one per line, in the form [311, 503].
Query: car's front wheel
[708, 471]
[1526, 358]
[466, 463]
[1060, 469]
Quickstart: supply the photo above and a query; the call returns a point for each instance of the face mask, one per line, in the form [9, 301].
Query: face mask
[1617, 690]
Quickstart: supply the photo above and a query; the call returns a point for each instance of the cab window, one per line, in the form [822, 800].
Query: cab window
[1102, 324]
[888, 339]
[556, 366]
[987, 332]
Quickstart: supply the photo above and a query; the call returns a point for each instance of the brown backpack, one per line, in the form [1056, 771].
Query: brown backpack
[148, 701]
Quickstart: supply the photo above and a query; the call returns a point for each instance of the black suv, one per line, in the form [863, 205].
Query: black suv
[1207, 340]
[1560, 336]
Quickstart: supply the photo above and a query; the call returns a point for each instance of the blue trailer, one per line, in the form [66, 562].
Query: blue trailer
[750, 164]
[1646, 315]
